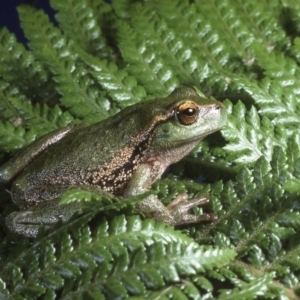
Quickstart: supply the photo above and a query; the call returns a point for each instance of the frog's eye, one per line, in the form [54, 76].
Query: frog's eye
[187, 113]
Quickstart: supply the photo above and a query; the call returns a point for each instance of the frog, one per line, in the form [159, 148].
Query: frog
[121, 156]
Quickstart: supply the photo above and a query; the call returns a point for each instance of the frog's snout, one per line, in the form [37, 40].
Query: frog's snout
[223, 113]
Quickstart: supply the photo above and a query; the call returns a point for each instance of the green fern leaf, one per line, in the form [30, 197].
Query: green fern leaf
[255, 288]
[132, 267]
[80, 23]
[277, 100]
[72, 79]
[32, 79]
[242, 135]
[120, 86]
[7, 112]
[292, 186]
[250, 136]
[13, 138]
[47, 119]
[41, 118]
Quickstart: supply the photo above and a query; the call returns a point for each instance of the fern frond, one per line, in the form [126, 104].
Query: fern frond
[81, 23]
[122, 88]
[125, 257]
[160, 43]
[277, 92]
[258, 218]
[257, 287]
[36, 121]
[47, 119]
[7, 112]
[32, 78]
[78, 90]
[13, 138]
[202, 51]
[250, 136]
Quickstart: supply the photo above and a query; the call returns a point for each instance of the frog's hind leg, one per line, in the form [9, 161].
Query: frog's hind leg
[47, 211]
[47, 214]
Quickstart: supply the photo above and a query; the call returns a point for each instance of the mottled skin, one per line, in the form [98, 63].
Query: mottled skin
[122, 155]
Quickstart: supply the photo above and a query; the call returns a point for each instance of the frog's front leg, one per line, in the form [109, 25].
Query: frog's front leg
[176, 212]
[47, 212]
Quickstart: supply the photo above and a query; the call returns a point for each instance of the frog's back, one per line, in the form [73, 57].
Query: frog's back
[18, 163]
[93, 155]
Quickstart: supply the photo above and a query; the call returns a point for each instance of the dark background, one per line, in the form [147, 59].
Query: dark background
[9, 16]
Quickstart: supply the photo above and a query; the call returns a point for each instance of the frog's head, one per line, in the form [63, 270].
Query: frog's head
[185, 118]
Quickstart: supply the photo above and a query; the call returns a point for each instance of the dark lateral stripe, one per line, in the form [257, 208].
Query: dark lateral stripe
[121, 176]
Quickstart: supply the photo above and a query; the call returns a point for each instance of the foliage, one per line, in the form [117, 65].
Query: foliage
[103, 57]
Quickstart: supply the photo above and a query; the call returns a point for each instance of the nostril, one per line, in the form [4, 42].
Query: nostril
[219, 106]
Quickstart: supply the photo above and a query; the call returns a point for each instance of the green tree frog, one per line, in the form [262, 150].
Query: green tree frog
[122, 155]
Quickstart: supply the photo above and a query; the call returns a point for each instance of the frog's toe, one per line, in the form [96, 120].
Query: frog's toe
[189, 218]
[180, 206]
[181, 202]
[21, 217]
[20, 223]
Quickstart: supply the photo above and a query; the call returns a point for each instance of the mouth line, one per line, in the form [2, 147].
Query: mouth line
[198, 138]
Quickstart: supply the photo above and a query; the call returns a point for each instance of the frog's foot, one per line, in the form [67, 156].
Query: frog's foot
[47, 214]
[24, 223]
[179, 207]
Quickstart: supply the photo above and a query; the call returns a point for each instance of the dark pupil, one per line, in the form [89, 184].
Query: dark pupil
[189, 111]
